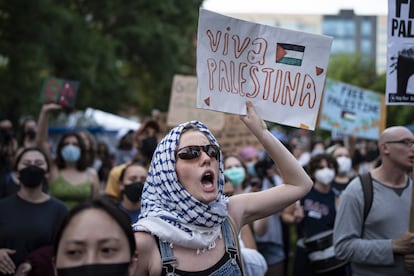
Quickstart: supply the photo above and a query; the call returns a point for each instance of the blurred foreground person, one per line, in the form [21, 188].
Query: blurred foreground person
[95, 239]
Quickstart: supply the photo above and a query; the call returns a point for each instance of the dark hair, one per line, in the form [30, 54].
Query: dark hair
[124, 143]
[263, 165]
[82, 162]
[314, 162]
[6, 137]
[23, 151]
[135, 162]
[149, 124]
[121, 218]
[22, 131]
[90, 153]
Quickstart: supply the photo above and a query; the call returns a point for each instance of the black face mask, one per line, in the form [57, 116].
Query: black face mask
[32, 176]
[31, 134]
[95, 269]
[133, 191]
[149, 145]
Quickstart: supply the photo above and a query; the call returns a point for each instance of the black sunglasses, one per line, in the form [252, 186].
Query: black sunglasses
[192, 152]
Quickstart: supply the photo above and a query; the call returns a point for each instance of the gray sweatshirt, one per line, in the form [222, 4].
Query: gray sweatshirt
[370, 252]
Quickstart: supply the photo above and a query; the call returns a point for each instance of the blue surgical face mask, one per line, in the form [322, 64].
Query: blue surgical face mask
[70, 153]
[236, 175]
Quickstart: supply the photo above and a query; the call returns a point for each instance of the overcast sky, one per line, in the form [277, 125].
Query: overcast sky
[361, 7]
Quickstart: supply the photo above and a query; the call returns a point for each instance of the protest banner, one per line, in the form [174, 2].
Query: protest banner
[351, 110]
[281, 71]
[400, 53]
[60, 91]
[182, 106]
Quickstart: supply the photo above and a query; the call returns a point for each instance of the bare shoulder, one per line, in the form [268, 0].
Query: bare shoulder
[149, 259]
[92, 172]
[145, 240]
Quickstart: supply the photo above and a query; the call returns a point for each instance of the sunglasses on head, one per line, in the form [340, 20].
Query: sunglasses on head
[192, 152]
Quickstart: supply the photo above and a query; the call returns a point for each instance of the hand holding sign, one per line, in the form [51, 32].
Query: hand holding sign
[252, 119]
[60, 91]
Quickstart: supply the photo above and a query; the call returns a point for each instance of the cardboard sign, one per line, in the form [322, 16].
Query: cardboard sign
[235, 135]
[400, 53]
[348, 109]
[182, 106]
[60, 91]
[281, 71]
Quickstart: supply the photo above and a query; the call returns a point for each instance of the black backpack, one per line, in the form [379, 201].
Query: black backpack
[367, 189]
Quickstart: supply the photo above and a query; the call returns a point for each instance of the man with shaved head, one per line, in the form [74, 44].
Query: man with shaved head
[380, 243]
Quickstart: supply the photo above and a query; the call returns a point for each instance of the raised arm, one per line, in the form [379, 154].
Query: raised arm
[248, 207]
[42, 137]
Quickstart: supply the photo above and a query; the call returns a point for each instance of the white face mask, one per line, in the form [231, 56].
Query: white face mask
[344, 164]
[317, 151]
[325, 176]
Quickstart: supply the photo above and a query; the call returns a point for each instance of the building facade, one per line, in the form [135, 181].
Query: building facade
[353, 34]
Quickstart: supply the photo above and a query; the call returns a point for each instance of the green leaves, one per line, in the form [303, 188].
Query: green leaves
[124, 53]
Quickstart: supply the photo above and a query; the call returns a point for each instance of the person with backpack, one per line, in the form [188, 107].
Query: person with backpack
[380, 243]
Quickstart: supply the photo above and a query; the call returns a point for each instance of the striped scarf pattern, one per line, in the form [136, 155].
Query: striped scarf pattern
[166, 201]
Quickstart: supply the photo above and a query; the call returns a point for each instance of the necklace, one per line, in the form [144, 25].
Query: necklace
[211, 246]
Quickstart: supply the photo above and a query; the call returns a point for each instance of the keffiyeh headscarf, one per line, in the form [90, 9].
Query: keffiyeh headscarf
[168, 210]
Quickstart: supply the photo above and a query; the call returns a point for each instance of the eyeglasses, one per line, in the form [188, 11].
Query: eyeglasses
[192, 152]
[406, 142]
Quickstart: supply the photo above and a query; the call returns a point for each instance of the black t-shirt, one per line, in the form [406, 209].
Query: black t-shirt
[26, 226]
[319, 209]
[338, 188]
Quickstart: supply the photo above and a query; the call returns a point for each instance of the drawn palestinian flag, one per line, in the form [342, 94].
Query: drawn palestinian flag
[289, 54]
[348, 116]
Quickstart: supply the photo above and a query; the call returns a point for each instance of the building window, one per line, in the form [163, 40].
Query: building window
[366, 28]
[343, 46]
[366, 46]
[339, 28]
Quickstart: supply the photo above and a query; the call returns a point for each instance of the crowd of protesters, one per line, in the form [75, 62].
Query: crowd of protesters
[322, 231]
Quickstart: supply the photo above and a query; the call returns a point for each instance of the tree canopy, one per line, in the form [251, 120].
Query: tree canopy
[124, 53]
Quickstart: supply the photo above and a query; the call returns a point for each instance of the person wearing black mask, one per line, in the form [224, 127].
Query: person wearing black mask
[131, 183]
[147, 139]
[95, 238]
[29, 219]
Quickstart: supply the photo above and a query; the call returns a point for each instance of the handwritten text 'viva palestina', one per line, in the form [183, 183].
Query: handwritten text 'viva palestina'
[271, 84]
